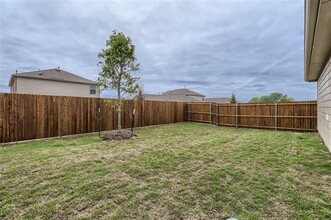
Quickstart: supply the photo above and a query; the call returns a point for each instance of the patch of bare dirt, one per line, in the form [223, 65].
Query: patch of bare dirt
[119, 135]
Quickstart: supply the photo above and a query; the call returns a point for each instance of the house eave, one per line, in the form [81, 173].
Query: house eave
[317, 38]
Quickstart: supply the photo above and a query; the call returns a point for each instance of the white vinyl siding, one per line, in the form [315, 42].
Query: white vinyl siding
[324, 104]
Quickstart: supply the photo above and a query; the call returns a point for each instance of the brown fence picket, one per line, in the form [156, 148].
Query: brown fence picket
[24, 116]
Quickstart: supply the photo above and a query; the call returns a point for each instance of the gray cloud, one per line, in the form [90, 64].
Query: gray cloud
[251, 48]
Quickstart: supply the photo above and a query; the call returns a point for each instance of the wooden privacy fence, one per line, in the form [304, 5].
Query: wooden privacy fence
[24, 117]
[295, 116]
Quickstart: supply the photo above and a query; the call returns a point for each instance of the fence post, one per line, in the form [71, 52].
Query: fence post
[210, 112]
[132, 121]
[62, 116]
[216, 114]
[143, 115]
[99, 122]
[236, 115]
[276, 115]
[188, 110]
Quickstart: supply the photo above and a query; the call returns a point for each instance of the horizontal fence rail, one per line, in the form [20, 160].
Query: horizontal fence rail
[295, 116]
[24, 117]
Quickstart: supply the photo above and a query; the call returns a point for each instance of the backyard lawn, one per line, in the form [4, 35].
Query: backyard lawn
[178, 171]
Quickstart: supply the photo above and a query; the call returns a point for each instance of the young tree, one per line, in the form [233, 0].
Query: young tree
[233, 98]
[140, 93]
[118, 62]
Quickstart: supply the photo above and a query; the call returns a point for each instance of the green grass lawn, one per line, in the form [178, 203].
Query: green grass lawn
[178, 171]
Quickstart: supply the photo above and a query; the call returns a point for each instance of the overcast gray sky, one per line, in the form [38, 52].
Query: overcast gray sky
[249, 47]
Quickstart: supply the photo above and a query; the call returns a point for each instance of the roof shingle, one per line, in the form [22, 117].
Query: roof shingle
[52, 74]
[186, 92]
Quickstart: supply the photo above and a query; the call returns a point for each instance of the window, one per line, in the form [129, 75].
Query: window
[93, 89]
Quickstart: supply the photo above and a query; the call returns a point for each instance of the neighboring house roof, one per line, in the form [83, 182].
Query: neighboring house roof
[317, 37]
[185, 92]
[218, 100]
[183, 95]
[54, 75]
[170, 98]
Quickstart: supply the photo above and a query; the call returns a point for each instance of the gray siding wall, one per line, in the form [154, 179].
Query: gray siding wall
[324, 104]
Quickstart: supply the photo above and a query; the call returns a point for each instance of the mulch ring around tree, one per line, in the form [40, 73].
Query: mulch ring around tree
[119, 135]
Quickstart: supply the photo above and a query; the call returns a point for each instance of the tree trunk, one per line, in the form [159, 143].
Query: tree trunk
[119, 126]
[119, 109]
